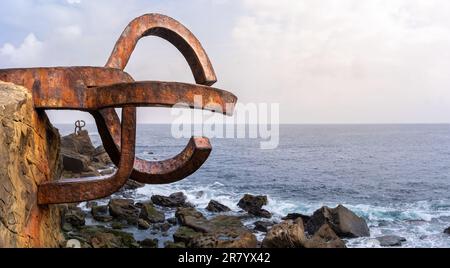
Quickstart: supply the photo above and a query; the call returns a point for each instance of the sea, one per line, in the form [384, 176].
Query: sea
[397, 177]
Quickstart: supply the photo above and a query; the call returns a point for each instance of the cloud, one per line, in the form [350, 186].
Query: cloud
[341, 61]
[28, 52]
[346, 61]
[70, 32]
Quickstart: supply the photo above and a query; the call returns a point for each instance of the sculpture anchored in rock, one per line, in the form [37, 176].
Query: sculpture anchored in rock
[98, 90]
[79, 125]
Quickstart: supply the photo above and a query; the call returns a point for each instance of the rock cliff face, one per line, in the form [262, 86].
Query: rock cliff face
[29, 155]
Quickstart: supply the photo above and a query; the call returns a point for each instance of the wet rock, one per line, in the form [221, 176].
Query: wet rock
[262, 213]
[118, 225]
[170, 244]
[344, 222]
[81, 159]
[215, 206]
[124, 209]
[447, 231]
[185, 234]
[199, 194]
[263, 226]
[173, 200]
[143, 224]
[66, 227]
[287, 234]
[74, 162]
[253, 205]
[172, 221]
[90, 204]
[100, 157]
[294, 216]
[391, 240]
[219, 232]
[325, 237]
[224, 232]
[77, 165]
[150, 213]
[149, 243]
[251, 202]
[73, 215]
[79, 143]
[225, 240]
[102, 237]
[163, 227]
[132, 185]
[191, 218]
[100, 213]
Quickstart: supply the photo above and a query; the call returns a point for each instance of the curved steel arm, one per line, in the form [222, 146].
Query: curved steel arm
[179, 167]
[171, 30]
[83, 189]
[142, 94]
[107, 120]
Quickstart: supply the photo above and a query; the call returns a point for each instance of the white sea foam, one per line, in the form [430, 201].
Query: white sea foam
[420, 222]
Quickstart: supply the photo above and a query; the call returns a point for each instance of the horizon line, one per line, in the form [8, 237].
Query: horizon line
[305, 124]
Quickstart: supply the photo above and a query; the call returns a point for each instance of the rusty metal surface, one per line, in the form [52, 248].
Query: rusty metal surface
[150, 172]
[139, 94]
[83, 189]
[99, 90]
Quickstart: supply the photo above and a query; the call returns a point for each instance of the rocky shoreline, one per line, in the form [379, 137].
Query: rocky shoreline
[172, 222]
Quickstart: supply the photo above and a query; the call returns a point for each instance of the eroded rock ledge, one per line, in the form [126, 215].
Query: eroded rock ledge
[29, 155]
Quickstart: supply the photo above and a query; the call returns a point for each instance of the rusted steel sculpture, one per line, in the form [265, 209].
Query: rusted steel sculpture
[79, 125]
[98, 90]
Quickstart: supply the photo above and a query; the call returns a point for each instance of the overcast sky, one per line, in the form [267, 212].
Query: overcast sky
[327, 61]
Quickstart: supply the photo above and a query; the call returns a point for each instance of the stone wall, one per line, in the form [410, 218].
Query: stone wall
[29, 155]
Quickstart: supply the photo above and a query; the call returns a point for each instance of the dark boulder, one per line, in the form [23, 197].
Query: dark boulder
[253, 205]
[100, 213]
[118, 225]
[215, 206]
[344, 222]
[172, 221]
[173, 200]
[132, 185]
[73, 216]
[391, 240]
[79, 143]
[170, 244]
[124, 209]
[251, 202]
[77, 153]
[294, 216]
[100, 157]
[150, 213]
[261, 213]
[185, 234]
[191, 218]
[224, 232]
[102, 237]
[447, 231]
[143, 224]
[263, 226]
[219, 232]
[287, 234]
[163, 227]
[325, 237]
[149, 243]
[74, 162]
